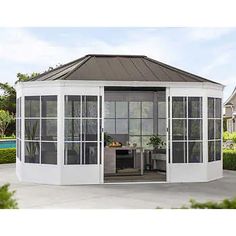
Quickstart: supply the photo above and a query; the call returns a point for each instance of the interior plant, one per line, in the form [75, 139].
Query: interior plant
[107, 139]
[156, 142]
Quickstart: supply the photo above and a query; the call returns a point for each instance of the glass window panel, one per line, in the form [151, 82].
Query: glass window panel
[195, 152]
[90, 129]
[210, 129]
[72, 106]
[135, 140]
[18, 128]
[49, 129]
[49, 153]
[210, 107]
[161, 109]
[145, 141]
[109, 126]
[217, 129]
[89, 153]
[194, 107]
[218, 108]
[32, 106]
[121, 109]
[32, 129]
[49, 106]
[147, 109]
[161, 127]
[72, 153]
[135, 109]
[211, 151]
[122, 126]
[89, 106]
[179, 152]
[179, 130]
[179, 107]
[109, 109]
[194, 129]
[218, 150]
[32, 152]
[135, 126]
[147, 126]
[72, 130]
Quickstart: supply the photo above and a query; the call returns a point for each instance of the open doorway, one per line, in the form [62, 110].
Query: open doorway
[135, 134]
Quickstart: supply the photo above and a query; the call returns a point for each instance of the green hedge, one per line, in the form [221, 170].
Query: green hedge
[7, 155]
[229, 159]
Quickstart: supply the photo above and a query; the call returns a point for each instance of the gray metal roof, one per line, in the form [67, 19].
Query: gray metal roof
[118, 68]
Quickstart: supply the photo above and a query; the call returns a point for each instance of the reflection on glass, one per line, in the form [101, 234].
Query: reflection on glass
[49, 106]
[179, 107]
[32, 129]
[49, 153]
[147, 126]
[179, 152]
[179, 129]
[32, 152]
[89, 106]
[145, 141]
[109, 109]
[122, 126]
[72, 153]
[195, 152]
[135, 109]
[147, 109]
[194, 129]
[72, 130]
[49, 130]
[32, 106]
[135, 127]
[194, 107]
[90, 154]
[72, 106]
[121, 109]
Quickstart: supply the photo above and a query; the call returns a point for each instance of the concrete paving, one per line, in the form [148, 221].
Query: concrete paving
[135, 196]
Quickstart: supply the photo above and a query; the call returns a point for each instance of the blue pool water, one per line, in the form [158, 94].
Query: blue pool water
[8, 144]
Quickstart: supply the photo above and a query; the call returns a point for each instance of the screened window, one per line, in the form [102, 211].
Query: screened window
[214, 129]
[186, 130]
[41, 129]
[81, 129]
[18, 128]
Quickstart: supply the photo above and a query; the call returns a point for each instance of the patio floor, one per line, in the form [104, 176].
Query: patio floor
[125, 196]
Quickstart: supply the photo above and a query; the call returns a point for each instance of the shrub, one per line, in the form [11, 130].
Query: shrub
[6, 198]
[229, 159]
[225, 204]
[227, 136]
[7, 155]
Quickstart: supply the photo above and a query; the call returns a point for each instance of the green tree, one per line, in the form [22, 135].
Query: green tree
[8, 98]
[6, 198]
[24, 77]
[5, 119]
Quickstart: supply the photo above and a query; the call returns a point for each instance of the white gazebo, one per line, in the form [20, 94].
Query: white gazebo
[62, 116]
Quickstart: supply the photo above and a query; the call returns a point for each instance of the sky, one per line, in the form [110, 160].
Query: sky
[208, 52]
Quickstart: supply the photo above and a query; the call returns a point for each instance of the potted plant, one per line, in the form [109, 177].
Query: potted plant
[157, 144]
[107, 139]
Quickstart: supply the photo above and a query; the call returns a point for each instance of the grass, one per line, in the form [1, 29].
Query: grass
[7, 155]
